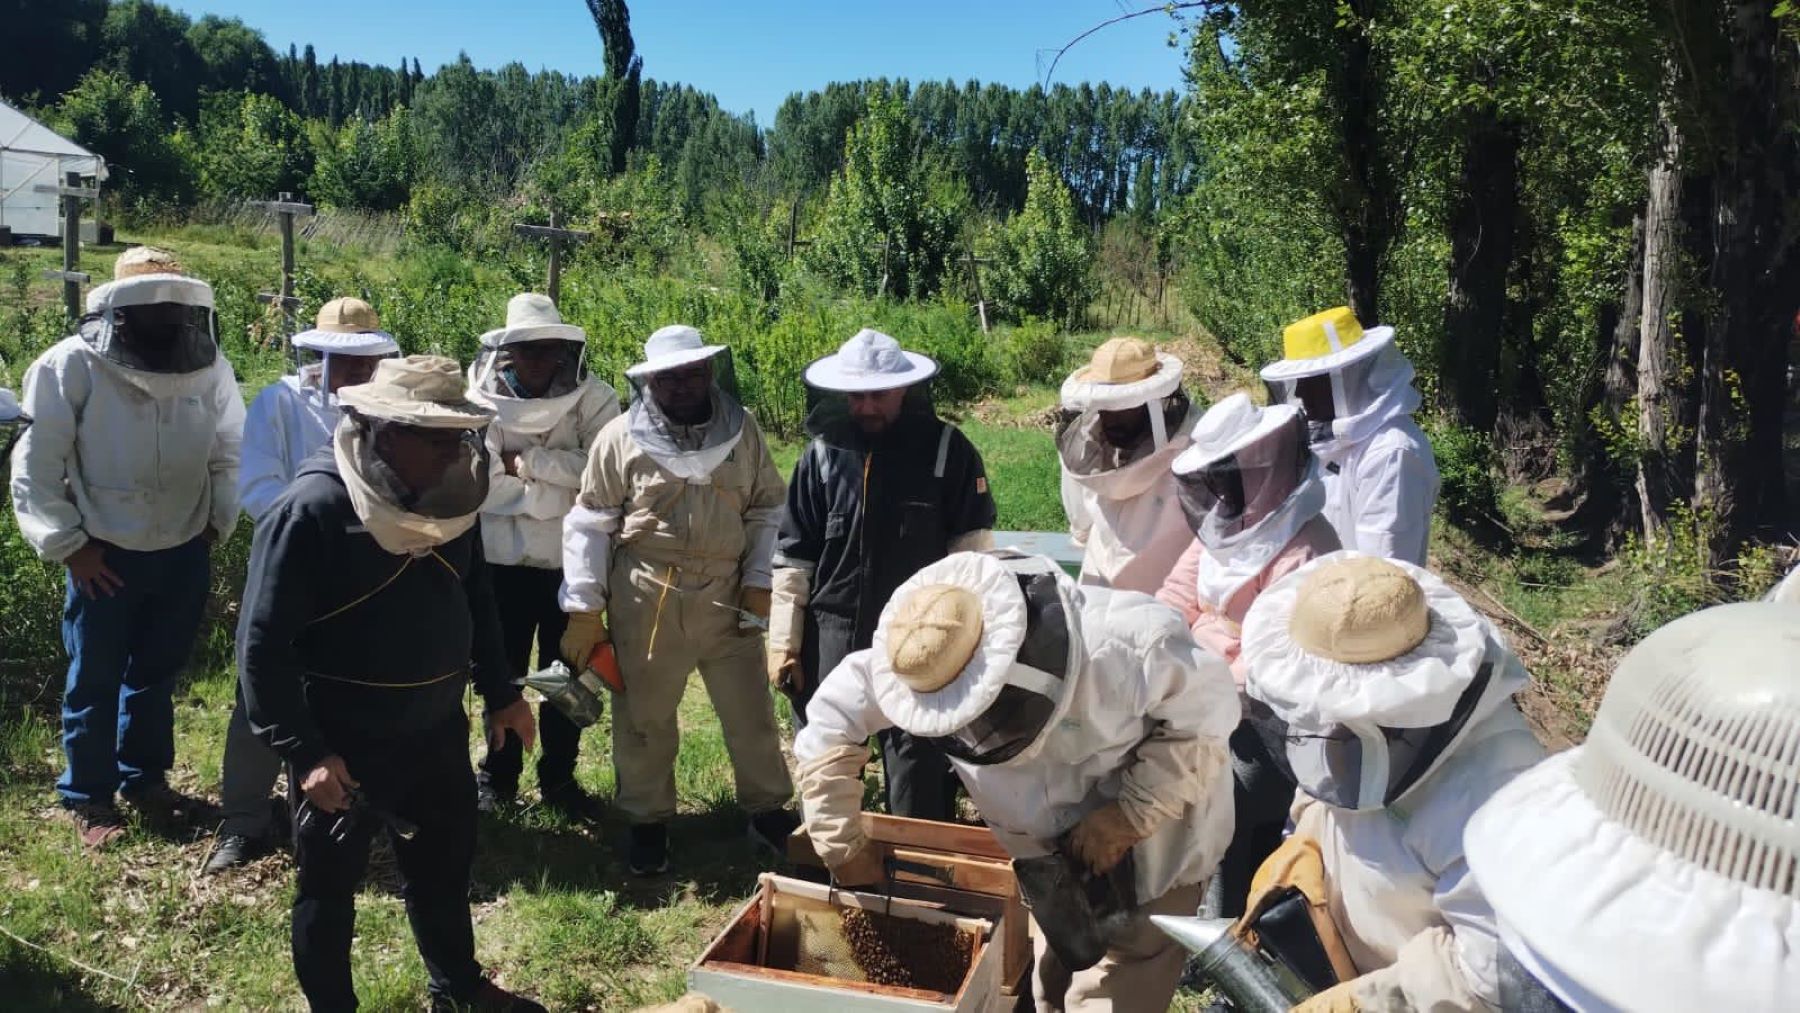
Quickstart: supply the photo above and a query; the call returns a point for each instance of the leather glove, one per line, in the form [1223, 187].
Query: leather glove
[785, 673]
[1103, 837]
[586, 631]
[755, 600]
[864, 868]
[1339, 998]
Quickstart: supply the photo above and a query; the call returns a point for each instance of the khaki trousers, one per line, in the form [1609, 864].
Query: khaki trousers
[690, 632]
[1138, 975]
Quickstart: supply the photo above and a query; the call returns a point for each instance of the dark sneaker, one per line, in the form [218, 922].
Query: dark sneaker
[772, 829]
[648, 852]
[572, 801]
[491, 798]
[488, 998]
[97, 825]
[234, 850]
[163, 806]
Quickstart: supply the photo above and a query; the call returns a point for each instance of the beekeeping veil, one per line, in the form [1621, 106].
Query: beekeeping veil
[13, 421]
[1348, 381]
[1124, 373]
[533, 326]
[978, 652]
[867, 363]
[1656, 867]
[423, 397]
[690, 452]
[1365, 674]
[344, 326]
[1247, 485]
[152, 324]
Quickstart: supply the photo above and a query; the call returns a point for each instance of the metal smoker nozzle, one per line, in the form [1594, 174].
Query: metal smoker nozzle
[1196, 934]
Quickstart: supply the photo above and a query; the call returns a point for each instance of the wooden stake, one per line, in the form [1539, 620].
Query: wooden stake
[286, 210]
[975, 279]
[557, 235]
[72, 193]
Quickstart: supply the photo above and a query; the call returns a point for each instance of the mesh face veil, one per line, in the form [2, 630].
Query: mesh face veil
[543, 369]
[164, 337]
[1037, 684]
[1230, 495]
[459, 488]
[1332, 400]
[1081, 440]
[688, 451]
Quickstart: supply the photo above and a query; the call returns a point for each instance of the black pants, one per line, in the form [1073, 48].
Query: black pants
[425, 779]
[920, 783]
[528, 612]
[1260, 797]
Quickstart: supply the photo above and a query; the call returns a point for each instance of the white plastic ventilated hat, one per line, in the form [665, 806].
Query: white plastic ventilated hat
[1657, 865]
[1696, 746]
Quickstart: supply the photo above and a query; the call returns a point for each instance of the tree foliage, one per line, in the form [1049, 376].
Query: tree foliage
[1041, 260]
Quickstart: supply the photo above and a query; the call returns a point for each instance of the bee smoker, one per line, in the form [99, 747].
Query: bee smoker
[1253, 981]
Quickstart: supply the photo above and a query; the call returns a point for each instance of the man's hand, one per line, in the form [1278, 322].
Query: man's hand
[510, 460]
[586, 631]
[861, 869]
[785, 673]
[755, 600]
[88, 569]
[516, 718]
[1103, 837]
[327, 786]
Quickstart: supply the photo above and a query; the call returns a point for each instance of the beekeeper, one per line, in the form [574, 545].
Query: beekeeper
[1355, 388]
[294, 416]
[884, 488]
[367, 613]
[1388, 699]
[1089, 729]
[670, 539]
[1652, 868]
[1125, 418]
[548, 410]
[127, 477]
[289, 421]
[1252, 498]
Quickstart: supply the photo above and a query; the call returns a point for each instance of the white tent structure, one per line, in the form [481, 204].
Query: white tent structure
[33, 155]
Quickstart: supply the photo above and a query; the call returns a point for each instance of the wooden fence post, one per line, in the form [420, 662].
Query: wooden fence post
[557, 236]
[72, 193]
[286, 209]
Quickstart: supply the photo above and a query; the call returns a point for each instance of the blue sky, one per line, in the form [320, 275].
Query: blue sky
[750, 53]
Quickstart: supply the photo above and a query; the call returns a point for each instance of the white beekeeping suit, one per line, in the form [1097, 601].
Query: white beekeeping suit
[1125, 418]
[1656, 867]
[1084, 722]
[1389, 701]
[294, 416]
[1355, 388]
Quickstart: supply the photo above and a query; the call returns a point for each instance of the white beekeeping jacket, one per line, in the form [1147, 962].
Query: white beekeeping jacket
[1381, 479]
[1128, 520]
[522, 520]
[286, 424]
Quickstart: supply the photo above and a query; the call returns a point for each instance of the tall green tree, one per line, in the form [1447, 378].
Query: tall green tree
[624, 68]
[252, 146]
[1041, 260]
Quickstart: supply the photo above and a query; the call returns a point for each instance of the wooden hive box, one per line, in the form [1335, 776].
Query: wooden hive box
[742, 969]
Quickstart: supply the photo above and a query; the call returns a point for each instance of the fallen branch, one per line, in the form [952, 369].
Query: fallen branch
[1474, 583]
[130, 983]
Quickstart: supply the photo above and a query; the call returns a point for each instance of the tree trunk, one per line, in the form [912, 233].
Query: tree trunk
[1660, 392]
[1367, 211]
[1603, 481]
[1481, 246]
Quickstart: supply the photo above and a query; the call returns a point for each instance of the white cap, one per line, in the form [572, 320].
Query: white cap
[870, 361]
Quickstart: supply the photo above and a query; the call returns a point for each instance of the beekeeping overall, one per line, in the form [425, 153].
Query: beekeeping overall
[538, 446]
[1125, 418]
[289, 421]
[1355, 388]
[293, 417]
[672, 531]
[1251, 495]
[1652, 868]
[1079, 718]
[1389, 701]
[130, 465]
[871, 503]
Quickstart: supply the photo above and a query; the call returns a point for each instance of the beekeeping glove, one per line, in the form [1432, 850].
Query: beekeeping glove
[586, 631]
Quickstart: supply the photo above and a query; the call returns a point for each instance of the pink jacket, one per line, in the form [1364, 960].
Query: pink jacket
[1220, 630]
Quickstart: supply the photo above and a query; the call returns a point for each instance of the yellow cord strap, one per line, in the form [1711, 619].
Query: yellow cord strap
[340, 610]
[389, 685]
[668, 582]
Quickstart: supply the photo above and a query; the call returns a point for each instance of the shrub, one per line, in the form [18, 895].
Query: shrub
[1466, 468]
[1036, 351]
[1041, 262]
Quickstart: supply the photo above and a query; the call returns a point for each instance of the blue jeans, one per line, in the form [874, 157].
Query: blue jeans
[124, 652]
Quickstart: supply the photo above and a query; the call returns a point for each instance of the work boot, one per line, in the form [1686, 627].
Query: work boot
[234, 850]
[488, 998]
[163, 806]
[648, 851]
[96, 824]
[772, 829]
[572, 801]
[490, 798]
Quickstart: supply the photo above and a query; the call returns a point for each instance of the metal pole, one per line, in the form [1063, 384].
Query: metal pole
[555, 284]
[71, 245]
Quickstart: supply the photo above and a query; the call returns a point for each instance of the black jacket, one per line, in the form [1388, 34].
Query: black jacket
[868, 514]
[341, 641]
